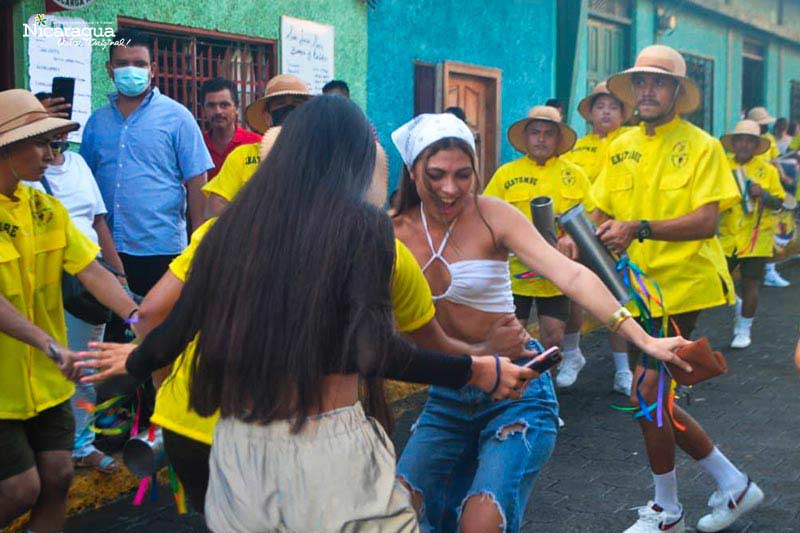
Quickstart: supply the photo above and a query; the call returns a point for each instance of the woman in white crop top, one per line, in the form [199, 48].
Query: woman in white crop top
[471, 462]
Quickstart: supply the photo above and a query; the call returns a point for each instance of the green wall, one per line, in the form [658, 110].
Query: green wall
[256, 18]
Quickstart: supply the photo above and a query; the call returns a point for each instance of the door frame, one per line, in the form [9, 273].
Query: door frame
[495, 77]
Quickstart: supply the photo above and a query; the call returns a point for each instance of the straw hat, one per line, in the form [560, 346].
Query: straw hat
[585, 105]
[745, 127]
[761, 116]
[658, 59]
[22, 116]
[268, 141]
[516, 133]
[280, 85]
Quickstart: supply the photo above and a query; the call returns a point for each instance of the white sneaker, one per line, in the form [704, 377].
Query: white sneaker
[623, 380]
[773, 279]
[654, 519]
[726, 508]
[568, 371]
[741, 339]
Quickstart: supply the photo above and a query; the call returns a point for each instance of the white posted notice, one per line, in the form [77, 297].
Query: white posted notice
[307, 51]
[61, 47]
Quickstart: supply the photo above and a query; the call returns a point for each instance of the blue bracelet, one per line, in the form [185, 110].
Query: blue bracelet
[497, 372]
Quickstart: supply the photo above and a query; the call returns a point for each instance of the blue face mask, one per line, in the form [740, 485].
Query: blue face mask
[132, 81]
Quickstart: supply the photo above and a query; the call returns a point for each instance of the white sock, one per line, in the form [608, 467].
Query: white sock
[571, 342]
[770, 267]
[743, 324]
[728, 477]
[667, 492]
[621, 362]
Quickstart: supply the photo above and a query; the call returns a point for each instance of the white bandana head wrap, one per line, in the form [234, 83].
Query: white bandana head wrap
[414, 136]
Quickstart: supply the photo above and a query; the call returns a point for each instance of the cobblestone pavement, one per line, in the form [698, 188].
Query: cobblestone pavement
[599, 470]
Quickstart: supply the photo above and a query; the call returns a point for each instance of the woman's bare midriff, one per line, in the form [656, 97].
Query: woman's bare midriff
[465, 323]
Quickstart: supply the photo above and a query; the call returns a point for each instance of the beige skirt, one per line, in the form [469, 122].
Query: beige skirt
[337, 474]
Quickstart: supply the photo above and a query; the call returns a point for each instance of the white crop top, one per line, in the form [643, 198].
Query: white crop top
[483, 284]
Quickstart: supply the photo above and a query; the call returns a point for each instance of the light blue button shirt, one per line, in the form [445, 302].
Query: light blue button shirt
[140, 164]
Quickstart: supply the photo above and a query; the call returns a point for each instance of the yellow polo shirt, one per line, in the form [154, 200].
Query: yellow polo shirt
[736, 227]
[37, 242]
[412, 304]
[522, 180]
[589, 151]
[669, 175]
[237, 169]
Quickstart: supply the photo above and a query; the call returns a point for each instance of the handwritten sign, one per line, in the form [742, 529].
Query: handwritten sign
[307, 51]
[60, 46]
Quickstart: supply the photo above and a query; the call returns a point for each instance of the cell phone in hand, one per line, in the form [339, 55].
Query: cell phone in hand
[544, 361]
[65, 88]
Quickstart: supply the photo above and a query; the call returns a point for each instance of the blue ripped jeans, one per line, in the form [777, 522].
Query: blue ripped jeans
[459, 448]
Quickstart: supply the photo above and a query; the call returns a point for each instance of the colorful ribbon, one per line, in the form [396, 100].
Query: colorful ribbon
[642, 298]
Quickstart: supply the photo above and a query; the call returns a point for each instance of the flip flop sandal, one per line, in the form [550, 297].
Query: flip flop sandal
[106, 464]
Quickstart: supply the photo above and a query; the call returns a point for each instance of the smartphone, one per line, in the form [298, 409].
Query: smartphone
[544, 361]
[65, 88]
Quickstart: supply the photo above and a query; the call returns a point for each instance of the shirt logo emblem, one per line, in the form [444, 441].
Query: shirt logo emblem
[680, 154]
[252, 160]
[42, 215]
[567, 178]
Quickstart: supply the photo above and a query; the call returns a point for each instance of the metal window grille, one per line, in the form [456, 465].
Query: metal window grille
[701, 70]
[187, 57]
[794, 100]
[618, 9]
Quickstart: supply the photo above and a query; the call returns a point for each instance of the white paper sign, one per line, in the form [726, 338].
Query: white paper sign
[307, 51]
[62, 50]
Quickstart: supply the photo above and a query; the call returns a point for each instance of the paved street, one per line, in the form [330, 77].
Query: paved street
[599, 471]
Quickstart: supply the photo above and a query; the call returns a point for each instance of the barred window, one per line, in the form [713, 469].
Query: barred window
[701, 70]
[794, 100]
[616, 9]
[187, 57]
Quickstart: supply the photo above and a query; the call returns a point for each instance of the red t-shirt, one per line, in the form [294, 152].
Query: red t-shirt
[240, 136]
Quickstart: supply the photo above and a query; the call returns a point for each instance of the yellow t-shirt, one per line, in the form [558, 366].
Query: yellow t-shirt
[522, 180]
[37, 241]
[589, 151]
[773, 152]
[237, 169]
[665, 176]
[412, 304]
[736, 227]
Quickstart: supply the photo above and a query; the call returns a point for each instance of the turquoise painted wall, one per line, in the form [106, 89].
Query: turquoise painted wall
[517, 37]
[790, 66]
[257, 18]
[702, 36]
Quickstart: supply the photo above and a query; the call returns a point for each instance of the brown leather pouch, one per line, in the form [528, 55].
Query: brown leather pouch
[706, 364]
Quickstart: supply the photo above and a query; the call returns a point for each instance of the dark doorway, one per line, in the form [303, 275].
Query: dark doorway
[6, 46]
[752, 75]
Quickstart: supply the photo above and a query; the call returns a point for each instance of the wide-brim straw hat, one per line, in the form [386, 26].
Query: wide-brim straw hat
[585, 105]
[268, 141]
[745, 127]
[761, 116]
[658, 59]
[280, 85]
[22, 117]
[516, 133]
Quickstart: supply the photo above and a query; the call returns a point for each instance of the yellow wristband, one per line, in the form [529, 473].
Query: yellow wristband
[616, 320]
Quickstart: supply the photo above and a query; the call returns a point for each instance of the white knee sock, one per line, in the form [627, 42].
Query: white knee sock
[571, 342]
[770, 267]
[621, 361]
[728, 477]
[667, 492]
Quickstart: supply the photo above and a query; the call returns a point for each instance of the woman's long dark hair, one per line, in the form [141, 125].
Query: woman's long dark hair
[268, 289]
[407, 190]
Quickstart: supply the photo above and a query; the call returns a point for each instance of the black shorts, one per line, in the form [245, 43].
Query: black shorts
[686, 323]
[553, 306]
[20, 440]
[749, 267]
[189, 458]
